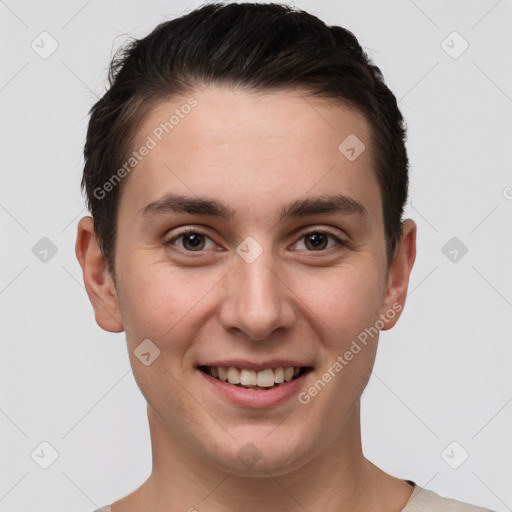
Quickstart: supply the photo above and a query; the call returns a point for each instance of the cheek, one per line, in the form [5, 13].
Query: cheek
[345, 303]
[161, 303]
[345, 300]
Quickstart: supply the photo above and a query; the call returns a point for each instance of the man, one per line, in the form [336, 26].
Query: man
[246, 174]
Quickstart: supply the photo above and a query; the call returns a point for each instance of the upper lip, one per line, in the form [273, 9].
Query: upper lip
[251, 365]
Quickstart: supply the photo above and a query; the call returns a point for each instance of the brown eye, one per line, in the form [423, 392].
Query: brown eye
[191, 241]
[318, 241]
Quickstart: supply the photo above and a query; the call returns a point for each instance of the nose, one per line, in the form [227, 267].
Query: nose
[257, 299]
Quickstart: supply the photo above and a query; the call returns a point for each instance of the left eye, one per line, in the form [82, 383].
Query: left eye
[195, 241]
[317, 240]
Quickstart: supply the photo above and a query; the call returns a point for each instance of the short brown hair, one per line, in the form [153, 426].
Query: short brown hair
[258, 47]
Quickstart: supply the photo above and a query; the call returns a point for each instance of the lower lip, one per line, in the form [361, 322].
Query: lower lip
[256, 398]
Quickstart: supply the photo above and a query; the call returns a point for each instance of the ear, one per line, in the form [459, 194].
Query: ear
[398, 275]
[97, 279]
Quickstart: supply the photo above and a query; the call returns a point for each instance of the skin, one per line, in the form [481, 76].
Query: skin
[255, 153]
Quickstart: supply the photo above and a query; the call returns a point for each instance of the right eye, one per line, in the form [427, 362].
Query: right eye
[191, 240]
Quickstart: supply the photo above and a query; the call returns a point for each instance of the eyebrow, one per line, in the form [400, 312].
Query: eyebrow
[331, 204]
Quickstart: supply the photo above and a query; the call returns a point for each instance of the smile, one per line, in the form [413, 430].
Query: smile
[257, 380]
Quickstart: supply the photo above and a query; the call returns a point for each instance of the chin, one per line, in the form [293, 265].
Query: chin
[263, 452]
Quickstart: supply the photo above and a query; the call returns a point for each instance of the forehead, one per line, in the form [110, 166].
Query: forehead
[248, 149]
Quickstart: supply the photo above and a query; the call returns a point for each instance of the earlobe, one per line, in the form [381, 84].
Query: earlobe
[398, 275]
[97, 279]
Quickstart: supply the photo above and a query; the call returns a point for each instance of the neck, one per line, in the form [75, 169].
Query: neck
[338, 478]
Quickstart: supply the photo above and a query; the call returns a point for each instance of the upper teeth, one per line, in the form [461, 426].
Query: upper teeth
[264, 378]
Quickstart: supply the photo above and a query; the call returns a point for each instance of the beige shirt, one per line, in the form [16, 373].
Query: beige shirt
[421, 500]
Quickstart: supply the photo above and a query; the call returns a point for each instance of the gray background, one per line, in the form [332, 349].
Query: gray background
[442, 374]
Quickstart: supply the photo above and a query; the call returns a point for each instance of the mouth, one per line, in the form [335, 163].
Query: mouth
[262, 380]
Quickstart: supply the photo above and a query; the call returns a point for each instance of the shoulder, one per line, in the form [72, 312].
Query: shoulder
[423, 500]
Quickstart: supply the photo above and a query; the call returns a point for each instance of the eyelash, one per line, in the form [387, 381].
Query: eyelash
[338, 240]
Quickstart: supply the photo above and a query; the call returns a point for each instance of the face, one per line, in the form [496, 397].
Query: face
[248, 239]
